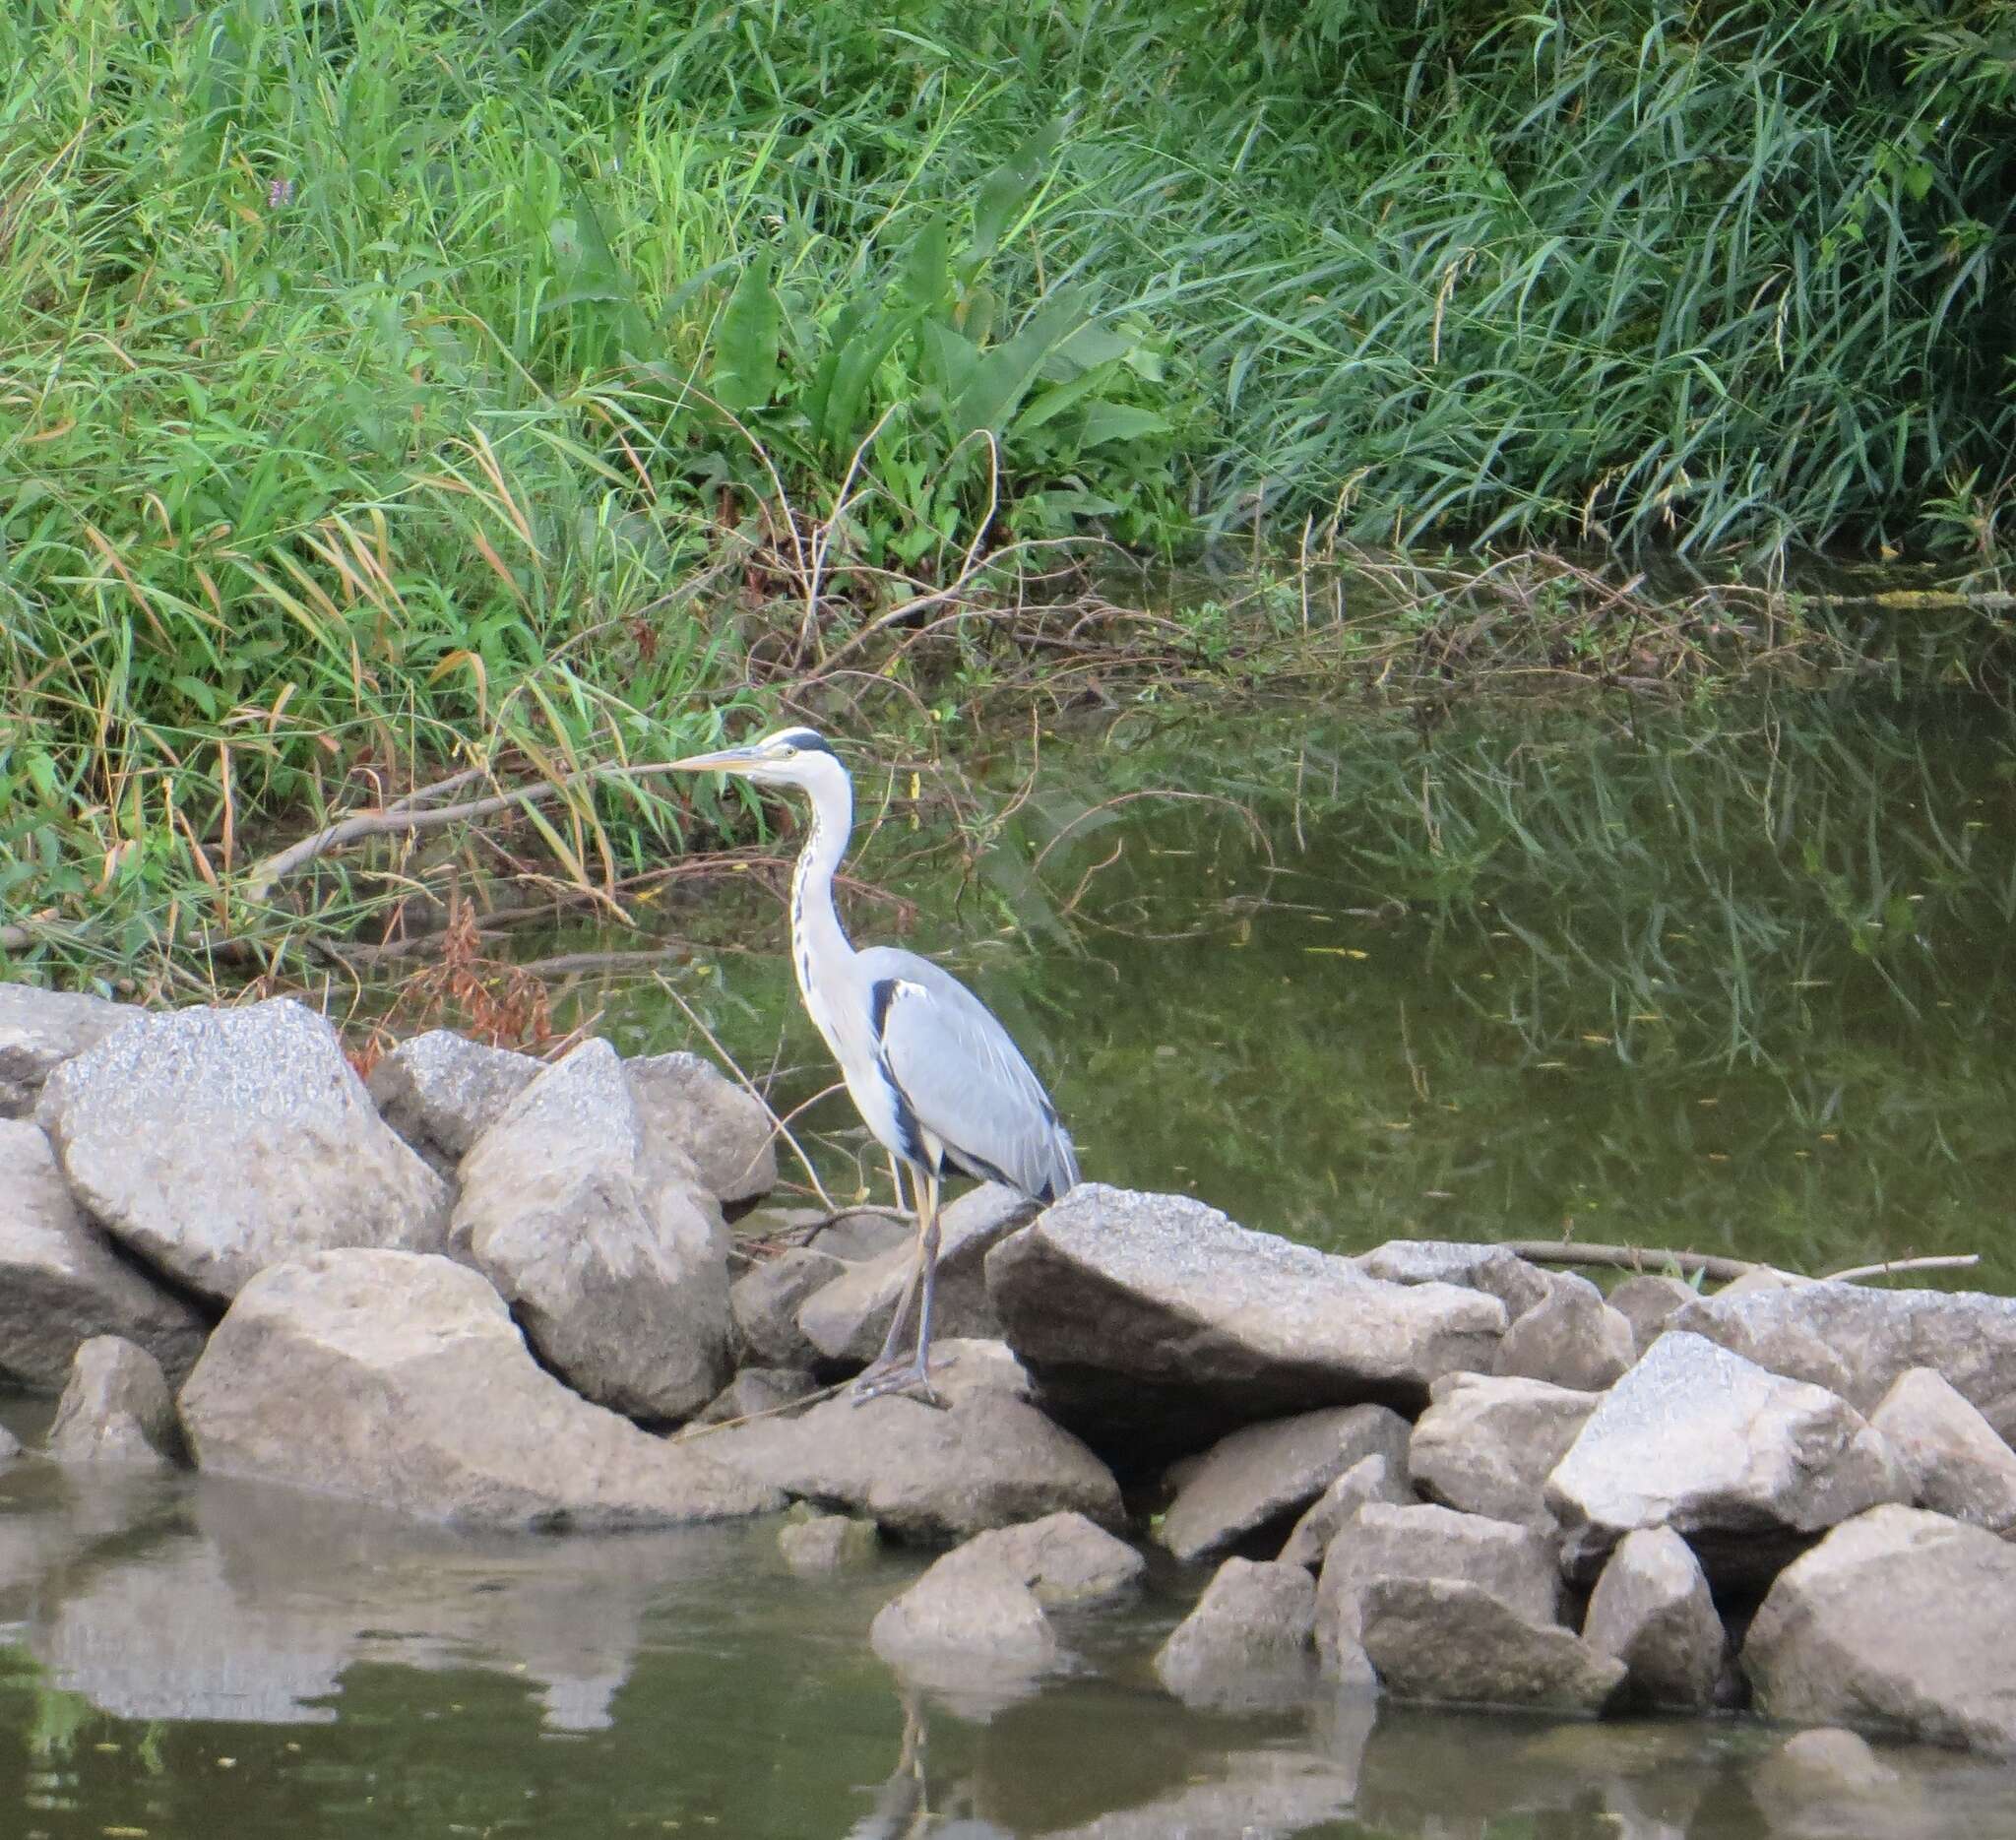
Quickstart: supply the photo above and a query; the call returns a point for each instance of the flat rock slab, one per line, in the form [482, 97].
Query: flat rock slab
[1745, 1465]
[1249, 1640]
[1152, 1323]
[213, 1142]
[441, 1092]
[39, 1030]
[1652, 1610]
[613, 1257]
[61, 1283]
[1513, 1563]
[691, 1106]
[400, 1378]
[1901, 1618]
[1437, 1639]
[925, 1475]
[1487, 1445]
[1512, 1280]
[1369, 1479]
[1263, 1471]
[116, 1410]
[1855, 1341]
[1571, 1337]
[1955, 1462]
[848, 1319]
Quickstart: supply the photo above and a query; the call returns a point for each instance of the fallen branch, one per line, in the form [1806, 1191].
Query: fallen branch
[1714, 1265]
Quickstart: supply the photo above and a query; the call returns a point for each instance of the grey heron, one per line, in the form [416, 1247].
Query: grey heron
[935, 1077]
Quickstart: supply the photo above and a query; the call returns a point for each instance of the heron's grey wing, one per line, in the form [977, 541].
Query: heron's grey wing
[964, 1079]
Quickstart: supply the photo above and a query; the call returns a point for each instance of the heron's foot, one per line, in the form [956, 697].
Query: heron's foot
[897, 1379]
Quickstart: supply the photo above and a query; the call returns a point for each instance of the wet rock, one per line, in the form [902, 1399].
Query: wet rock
[826, 1542]
[1899, 1617]
[441, 1092]
[615, 1259]
[722, 1129]
[1827, 1783]
[1254, 1795]
[212, 1142]
[1955, 1463]
[116, 1409]
[1745, 1465]
[1064, 1559]
[1440, 1639]
[1514, 1282]
[757, 1389]
[1513, 1563]
[39, 1030]
[1571, 1337]
[9, 1445]
[1855, 1341]
[1648, 1302]
[965, 1617]
[1251, 1640]
[61, 1283]
[989, 1461]
[1259, 1474]
[400, 1378]
[1151, 1320]
[1370, 1478]
[1652, 1610]
[765, 1304]
[849, 1318]
[1487, 1445]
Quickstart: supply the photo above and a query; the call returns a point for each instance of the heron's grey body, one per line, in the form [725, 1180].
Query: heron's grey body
[938, 1081]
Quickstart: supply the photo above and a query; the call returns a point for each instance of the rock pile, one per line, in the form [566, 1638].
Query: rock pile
[484, 1290]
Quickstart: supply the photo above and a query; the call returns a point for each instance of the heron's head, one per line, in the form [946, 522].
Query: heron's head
[789, 757]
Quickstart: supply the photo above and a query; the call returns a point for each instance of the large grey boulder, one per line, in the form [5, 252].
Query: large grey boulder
[1855, 1340]
[1648, 1302]
[1745, 1465]
[1440, 1640]
[1955, 1462]
[116, 1409]
[1652, 1610]
[39, 1030]
[1571, 1337]
[1513, 1563]
[1065, 1559]
[1249, 1640]
[1512, 1280]
[689, 1105]
[1369, 1479]
[1257, 1475]
[1487, 1445]
[212, 1142]
[847, 1319]
[615, 1259]
[1899, 1617]
[400, 1378]
[61, 1283]
[764, 1303]
[989, 1460]
[440, 1092]
[1153, 1322]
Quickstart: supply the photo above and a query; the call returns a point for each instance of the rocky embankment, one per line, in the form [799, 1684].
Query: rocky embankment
[490, 1291]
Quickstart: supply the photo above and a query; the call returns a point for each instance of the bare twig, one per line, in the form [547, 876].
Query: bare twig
[1714, 1265]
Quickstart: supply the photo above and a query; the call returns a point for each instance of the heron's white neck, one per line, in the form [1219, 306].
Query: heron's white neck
[816, 936]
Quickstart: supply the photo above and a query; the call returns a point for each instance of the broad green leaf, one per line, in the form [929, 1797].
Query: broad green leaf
[1004, 189]
[745, 348]
[1004, 375]
[1119, 422]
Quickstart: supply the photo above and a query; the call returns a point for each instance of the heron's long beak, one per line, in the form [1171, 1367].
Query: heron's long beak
[722, 760]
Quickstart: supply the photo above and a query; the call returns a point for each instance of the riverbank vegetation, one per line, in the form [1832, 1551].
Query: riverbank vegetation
[470, 397]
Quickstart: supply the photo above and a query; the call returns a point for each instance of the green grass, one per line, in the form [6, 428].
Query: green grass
[389, 386]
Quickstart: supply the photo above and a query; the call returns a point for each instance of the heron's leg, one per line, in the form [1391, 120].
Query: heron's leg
[914, 1377]
[893, 1340]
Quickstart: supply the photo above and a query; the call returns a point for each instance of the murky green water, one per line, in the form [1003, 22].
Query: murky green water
[1736, 977]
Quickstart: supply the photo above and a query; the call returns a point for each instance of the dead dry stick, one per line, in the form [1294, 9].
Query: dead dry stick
[1714, 1265]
